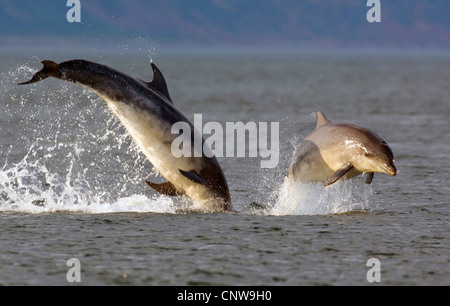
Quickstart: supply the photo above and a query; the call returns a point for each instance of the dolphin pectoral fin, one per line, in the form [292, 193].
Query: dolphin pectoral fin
[166, 188]
[193, 176]
[369, 177]
[340, 173]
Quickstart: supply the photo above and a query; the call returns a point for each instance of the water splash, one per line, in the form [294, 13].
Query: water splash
[295, 198]
[29, 187]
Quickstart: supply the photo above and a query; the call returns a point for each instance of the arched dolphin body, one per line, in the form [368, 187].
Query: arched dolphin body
[336, 150]
[147, 112]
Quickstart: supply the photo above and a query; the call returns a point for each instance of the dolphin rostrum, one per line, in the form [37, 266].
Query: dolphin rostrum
[337, 150]
[147, 112]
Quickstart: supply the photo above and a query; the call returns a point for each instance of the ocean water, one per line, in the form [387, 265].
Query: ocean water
[72, 182]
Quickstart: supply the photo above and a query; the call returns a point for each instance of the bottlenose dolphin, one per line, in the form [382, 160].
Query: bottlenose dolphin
[147, 112]
[337, 150]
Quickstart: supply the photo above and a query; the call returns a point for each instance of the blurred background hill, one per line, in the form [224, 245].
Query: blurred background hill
[232, 23]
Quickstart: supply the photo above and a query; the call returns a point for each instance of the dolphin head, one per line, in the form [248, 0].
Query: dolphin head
[376, 156]
[379, 163]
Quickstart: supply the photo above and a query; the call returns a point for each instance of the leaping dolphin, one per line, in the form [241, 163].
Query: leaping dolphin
[147, 112]
[336, 150]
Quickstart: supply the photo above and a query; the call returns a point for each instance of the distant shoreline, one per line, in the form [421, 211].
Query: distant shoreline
[148, 47]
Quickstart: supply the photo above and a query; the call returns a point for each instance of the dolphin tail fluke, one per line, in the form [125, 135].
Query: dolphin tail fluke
[50, 69]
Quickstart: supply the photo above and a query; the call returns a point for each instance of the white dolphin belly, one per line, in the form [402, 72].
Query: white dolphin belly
[154, 138]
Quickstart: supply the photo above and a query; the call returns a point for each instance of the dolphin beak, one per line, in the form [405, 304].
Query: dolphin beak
[391, 169]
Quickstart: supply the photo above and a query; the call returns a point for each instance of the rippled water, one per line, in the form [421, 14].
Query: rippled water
[71, 181]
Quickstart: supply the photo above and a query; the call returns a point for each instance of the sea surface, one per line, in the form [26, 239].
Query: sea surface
[72, 182]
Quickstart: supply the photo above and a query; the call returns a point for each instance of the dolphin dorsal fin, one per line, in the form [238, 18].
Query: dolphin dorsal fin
[159, 83]
[321, 119]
